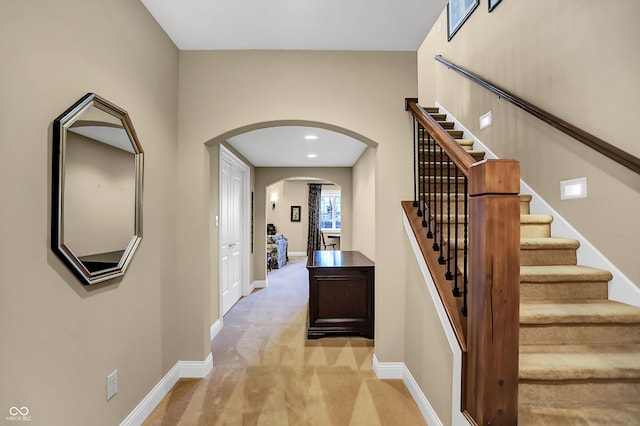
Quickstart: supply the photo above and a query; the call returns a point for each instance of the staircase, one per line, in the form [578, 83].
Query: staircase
[579, 352]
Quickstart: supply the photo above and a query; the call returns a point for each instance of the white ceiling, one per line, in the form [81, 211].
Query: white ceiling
[286, 146]
[398, 25]
[373, 25]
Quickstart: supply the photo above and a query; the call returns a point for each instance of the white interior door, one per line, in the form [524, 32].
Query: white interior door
[231, 185]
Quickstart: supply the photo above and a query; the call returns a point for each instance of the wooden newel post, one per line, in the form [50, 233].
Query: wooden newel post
[491, 367]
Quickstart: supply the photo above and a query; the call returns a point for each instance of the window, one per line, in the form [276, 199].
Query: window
[330, 209]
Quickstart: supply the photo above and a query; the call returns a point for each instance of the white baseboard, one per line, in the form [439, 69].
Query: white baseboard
[298, 253]
[388, 370]
[621, 288]
[398, 370]
[259, 284]
[215, 329]
[196, 369]
[182, 369]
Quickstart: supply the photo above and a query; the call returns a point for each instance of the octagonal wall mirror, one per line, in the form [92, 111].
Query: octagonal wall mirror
[96, 219]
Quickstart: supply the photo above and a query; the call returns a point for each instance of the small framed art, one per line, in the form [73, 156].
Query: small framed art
[295, 213]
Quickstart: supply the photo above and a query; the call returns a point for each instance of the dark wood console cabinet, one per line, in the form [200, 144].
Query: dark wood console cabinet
[341, 294]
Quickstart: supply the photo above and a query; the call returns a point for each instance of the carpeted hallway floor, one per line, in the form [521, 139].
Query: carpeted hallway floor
[265, 371]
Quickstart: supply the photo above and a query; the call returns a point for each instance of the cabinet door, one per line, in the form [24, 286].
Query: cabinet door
[341, 302]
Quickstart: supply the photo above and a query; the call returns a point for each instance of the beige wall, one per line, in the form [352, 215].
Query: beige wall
[357, 93]
[427, 352]
[60, 339]
[364, 203]
[290, 193]
[276, 215]
[579, 61]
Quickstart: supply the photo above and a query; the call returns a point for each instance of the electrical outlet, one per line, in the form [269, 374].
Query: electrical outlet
[112, 384]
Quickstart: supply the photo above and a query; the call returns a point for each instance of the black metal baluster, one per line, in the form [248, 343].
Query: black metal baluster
[423, 209]
[465, 246]
[448, 274]
[456, 289]
[437, 174]
[441, 259]
[416, 164]
[427, 211]
[422, 178]
[420, 169]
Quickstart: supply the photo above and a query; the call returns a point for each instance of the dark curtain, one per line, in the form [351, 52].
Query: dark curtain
[314, 237]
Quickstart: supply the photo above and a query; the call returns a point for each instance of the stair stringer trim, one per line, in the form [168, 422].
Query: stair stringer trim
[621, 288]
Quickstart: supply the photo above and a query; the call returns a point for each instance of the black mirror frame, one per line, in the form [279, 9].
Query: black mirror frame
[60, 125]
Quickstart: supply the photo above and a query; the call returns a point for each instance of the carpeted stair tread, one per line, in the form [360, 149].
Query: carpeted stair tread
[535, 218]
[579, 311]
[548, 243]
[545, 291]
[465, 142]
[550, 414]
[580, 362]
[547, 251]
[478, 155]
[562, 273]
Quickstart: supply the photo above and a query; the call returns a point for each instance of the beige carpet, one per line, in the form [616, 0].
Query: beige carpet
[265, 371]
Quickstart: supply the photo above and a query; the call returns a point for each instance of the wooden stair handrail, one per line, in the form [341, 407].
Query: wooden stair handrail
[456, 152]
[605, 148]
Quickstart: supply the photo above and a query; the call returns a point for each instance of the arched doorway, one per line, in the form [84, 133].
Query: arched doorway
[259, 178]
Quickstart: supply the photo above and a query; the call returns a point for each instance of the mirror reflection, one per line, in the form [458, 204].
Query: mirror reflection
[98, 223]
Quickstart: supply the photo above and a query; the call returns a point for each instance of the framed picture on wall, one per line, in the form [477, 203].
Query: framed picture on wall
[295, 213]
[493, 4]
[457, 12]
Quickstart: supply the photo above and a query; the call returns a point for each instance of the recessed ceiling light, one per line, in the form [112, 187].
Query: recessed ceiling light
[312, 155]
[311, 137]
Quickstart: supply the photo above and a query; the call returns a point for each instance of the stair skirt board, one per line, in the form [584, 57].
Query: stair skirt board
[621, 288]
[181, 370]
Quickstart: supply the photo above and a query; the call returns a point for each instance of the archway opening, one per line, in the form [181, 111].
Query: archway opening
[356, 181]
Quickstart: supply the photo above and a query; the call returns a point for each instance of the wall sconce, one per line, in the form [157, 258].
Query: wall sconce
[274, 198]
